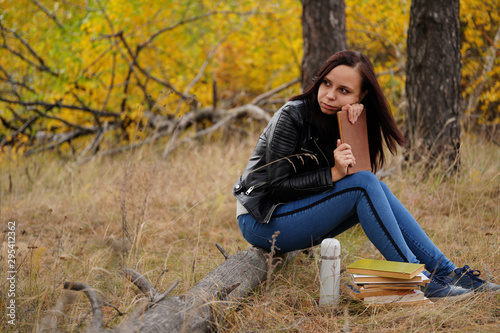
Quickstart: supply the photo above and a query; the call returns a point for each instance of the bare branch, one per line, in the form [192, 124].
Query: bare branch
[141, 46]
[492, 137]
[64, 121]
[160, 297]
[204, 66]
[169, 290]
[225, 291]
[49, 14]
[95, 302]
[146, 73]
[186, 21]
[98, 58]
[92, 147]
[262, 97]
[488, 66]
[58, 139]
[221, 249]
[49, 106]
[13, 83]
[111, 84]
[141, 282]
[42, 67]
[206, 62]
[20, 129]
[248, 109]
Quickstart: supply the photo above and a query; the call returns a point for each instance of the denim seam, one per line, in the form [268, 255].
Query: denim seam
[424, 251]
[377, 217]
[415, 243]
[253, 233]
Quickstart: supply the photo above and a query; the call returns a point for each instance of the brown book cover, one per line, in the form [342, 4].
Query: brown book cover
[356, 135]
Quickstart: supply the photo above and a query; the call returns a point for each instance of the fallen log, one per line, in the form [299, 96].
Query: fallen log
[194, 311]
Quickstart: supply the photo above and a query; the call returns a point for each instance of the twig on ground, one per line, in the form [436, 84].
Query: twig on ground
[221, 249]
[141, 282]
[95, 302]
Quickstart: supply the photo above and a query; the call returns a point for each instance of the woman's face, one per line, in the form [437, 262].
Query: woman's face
[340, 87]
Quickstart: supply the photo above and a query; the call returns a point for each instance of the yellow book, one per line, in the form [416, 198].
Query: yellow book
[394, 269]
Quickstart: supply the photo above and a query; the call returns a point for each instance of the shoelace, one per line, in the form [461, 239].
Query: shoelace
[471, 273]
[442, 280]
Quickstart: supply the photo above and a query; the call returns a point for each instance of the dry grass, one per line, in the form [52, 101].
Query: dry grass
[71, 222]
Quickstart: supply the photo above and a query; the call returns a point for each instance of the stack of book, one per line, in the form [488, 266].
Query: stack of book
[381, 282]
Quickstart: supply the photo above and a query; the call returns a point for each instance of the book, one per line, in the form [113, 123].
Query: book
[388, 282]
[418, 279]
[356, 135]
[425, 300]
[361, 292]
[391, 286]
[416, 295]
[384, 268]
[388, 297]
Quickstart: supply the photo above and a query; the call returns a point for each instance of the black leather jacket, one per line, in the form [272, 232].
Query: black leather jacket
[287, 163]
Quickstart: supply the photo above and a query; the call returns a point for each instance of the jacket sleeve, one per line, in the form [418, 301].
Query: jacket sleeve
[288, 179]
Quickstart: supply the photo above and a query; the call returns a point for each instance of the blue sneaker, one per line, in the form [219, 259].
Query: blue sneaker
[468, 278]
[439, 289]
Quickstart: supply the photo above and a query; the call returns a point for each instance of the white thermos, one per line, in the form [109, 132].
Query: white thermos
[329, 292]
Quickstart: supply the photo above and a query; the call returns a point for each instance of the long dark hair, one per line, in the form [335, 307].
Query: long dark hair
[380, 121]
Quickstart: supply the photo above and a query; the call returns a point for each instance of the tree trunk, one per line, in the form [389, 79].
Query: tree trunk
[433, 81]
[323, 33]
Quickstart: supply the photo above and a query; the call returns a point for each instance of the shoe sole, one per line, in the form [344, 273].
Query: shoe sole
[451, 298]
[486, 290]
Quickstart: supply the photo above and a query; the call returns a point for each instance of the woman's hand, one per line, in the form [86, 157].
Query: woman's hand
[353, 111]
[343, 158]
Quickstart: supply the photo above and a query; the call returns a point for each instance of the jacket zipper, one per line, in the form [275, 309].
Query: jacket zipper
[307, 151]
[270, 213]
[253, 187]
[321, 151]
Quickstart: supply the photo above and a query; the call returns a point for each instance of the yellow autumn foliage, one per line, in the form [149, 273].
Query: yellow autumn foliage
[128, 57]
[480, 22]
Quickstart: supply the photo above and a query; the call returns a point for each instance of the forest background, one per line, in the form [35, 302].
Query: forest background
[84, 68]
[83, 79]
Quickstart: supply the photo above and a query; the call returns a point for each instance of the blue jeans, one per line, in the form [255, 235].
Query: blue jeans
[359, 198]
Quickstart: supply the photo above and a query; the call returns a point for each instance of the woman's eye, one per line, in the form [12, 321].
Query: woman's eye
[326, 83]
[343, 90]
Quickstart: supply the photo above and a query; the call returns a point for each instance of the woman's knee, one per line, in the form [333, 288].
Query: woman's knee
[385, 187]
[365, 179]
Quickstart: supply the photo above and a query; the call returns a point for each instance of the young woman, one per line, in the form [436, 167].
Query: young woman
[296, 181]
